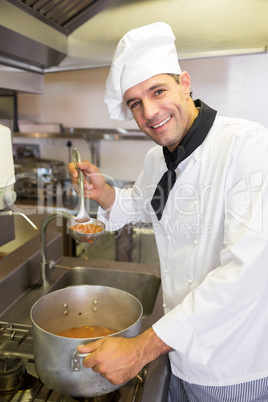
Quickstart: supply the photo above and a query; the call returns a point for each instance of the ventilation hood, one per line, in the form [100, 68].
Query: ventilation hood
[34, 33]
[34, 37]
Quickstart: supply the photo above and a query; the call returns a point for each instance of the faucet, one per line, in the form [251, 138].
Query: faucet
[9, 213]
[44, 264]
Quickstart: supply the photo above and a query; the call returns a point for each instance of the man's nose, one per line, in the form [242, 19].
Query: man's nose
[150, 109]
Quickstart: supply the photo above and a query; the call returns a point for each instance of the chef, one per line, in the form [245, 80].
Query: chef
[204, 188]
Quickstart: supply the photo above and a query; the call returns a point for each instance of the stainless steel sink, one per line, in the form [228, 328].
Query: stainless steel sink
[141, 280]
[143, 286]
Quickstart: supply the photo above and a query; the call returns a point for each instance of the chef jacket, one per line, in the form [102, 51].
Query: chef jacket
[212, 241]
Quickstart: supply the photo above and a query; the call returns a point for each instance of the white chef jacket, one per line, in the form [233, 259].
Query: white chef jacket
[213, 249]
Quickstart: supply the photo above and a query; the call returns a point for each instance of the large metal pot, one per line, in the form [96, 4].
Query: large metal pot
[57, 361]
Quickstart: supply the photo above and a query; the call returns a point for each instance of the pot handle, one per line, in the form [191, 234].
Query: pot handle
[77, 360]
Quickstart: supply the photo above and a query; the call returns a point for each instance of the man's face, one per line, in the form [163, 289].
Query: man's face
[162, 108]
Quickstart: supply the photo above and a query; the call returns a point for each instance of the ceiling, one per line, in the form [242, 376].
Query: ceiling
[202, 28]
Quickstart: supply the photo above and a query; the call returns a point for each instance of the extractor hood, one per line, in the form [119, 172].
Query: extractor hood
[34, 33]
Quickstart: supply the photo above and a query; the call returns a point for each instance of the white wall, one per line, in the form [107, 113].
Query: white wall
[235, 86]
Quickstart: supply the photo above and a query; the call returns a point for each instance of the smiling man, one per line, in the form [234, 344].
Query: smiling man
[163, 109]
[204, 189]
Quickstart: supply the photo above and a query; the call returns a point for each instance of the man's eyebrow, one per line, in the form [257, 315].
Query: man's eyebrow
[155, 86]
[152, 88]
[131, 100]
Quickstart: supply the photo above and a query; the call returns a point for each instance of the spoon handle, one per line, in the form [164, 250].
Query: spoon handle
[77, 158]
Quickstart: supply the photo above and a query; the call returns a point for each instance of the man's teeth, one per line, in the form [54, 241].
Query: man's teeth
[162, 122]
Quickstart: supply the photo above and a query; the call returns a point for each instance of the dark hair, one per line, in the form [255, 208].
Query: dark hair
[177, 79]
[175, 76]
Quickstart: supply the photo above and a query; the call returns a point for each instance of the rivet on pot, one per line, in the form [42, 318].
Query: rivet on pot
[94, 309]
[65, 312]
[65, 305]
[95, 302]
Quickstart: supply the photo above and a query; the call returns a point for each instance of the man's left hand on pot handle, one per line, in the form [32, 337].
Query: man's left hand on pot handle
[120, 359]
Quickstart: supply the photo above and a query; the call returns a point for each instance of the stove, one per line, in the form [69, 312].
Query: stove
[19, 381]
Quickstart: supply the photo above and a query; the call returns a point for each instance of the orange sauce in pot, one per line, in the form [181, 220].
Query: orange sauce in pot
[86, 332]
[87, 228]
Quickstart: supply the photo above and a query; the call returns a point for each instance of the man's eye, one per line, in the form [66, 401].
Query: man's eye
[159, 91]
[133, 105]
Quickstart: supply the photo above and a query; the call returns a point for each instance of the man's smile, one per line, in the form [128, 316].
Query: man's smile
[162, 122]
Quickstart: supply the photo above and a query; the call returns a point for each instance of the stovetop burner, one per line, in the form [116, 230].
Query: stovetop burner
[12, 373]
[14, 377]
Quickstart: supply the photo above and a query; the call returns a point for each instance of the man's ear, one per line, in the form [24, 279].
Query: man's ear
[185, 82]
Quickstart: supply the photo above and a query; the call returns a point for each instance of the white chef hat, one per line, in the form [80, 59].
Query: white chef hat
[140, 54]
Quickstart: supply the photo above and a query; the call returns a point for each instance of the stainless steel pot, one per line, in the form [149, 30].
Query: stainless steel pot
[57, 361]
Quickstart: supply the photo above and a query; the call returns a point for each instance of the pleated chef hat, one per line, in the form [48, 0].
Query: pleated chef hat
[140, 54]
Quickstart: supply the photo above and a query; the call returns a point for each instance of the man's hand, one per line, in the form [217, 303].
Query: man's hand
[95, 186]
[120, 359]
